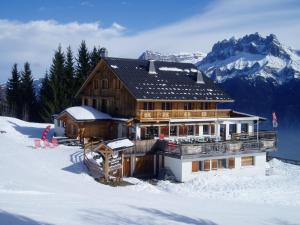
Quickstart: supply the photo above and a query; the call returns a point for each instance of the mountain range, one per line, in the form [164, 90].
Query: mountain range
[179, 57]
[260, 73]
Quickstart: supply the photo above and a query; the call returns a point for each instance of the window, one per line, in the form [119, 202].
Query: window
[212, 129]
[214, 164]
[244, 127]
[85, 101]
[95, 84]
[206, 165]
[195, 166]
[201, 165]
[74, 130]
[222, 163]
[190, 130]
[152, 131]
[148, 105]
[95, 103]
[173, 131]
[104, 105]
[232, 129]
[231, 163]
[104, 84]
[204, 105]
[248, 161]
[166, 106]
[116, 83]
[187, 106]
[206, 129]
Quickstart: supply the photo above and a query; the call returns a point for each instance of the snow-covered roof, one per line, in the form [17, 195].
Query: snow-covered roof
[123, 143]
[86, 113]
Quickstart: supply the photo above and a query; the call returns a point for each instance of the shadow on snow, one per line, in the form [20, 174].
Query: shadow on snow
[7, 218]
[144, 216]
[77, 165]
[31, 132]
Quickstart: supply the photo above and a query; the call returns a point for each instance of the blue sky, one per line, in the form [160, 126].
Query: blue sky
[31, 30]
[137, 15]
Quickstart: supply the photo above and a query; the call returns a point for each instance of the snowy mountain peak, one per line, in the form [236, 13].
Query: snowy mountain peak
[180, 57]
[252, 56]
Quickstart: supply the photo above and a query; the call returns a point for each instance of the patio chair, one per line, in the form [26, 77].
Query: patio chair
[54, 142]
[47, 144]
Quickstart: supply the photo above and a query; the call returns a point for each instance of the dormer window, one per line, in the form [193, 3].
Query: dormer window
[104, 84]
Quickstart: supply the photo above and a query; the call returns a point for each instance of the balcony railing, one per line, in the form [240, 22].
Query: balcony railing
[264, 142]
[181, 114]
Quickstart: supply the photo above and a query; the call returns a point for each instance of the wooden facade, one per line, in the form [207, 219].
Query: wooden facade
[105, 92]
[104, 129]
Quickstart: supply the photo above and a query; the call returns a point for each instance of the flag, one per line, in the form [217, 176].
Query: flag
[45, 132]
[274, 120]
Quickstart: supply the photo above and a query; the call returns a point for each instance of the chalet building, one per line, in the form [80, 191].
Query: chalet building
[170, 111]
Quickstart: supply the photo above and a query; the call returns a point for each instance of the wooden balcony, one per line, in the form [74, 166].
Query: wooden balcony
[154, 115]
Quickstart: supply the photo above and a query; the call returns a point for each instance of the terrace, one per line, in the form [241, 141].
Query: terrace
[239, 144]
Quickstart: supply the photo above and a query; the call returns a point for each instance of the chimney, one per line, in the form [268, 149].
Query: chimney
[103, 52]
[151, 67]
[200, 78]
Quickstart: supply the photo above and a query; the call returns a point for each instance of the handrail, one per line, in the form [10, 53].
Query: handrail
[181, 113]
[255, 135]
[232, 147]
[94, 169]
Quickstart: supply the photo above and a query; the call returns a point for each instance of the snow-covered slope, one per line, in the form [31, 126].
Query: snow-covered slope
[51, 186]
[252, 56]
[180, 57]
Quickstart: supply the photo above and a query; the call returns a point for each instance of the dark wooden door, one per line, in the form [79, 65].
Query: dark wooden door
[144, 166]
[126, 167]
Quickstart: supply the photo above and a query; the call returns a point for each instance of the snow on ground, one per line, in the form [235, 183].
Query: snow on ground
[52, 187]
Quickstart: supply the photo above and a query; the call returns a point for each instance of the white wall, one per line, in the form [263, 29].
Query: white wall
[58, 128]
[175, 165]
[182, 169]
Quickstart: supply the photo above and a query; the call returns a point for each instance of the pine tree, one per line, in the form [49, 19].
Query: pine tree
[13, 93]
[56, 78]
[46, 107]
[83, 65]
[95, 56]
[69, 79]
[27, 93]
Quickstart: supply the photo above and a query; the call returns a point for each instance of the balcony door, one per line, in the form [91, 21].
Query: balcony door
[223, 131]
[104, 105]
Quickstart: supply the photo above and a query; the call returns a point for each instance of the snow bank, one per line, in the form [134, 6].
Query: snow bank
[281, 187]
[86, 113]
